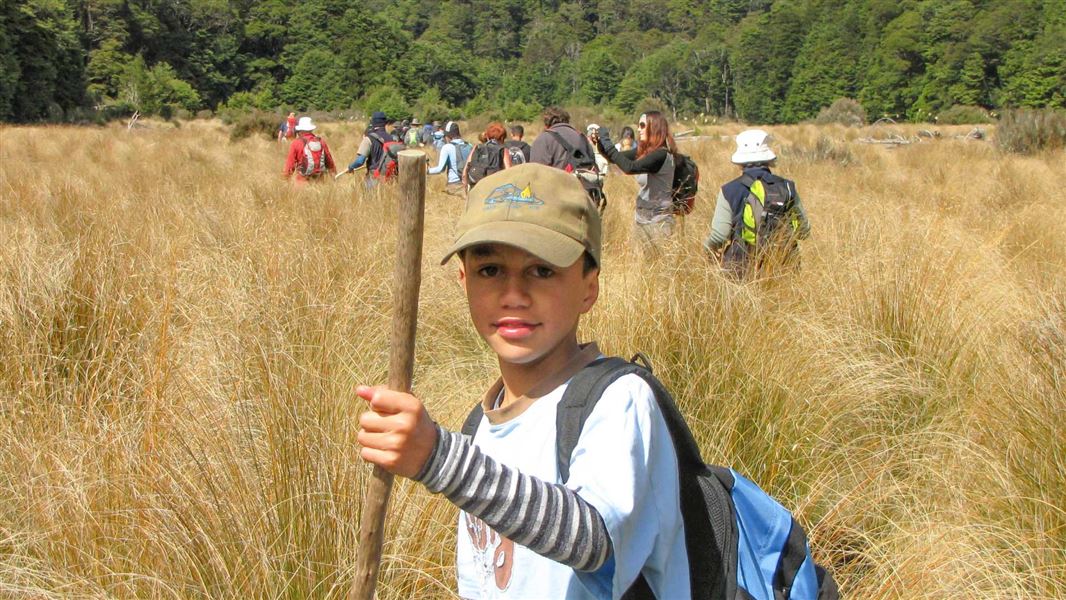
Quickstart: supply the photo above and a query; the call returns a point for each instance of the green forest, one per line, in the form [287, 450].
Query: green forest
[759, 61]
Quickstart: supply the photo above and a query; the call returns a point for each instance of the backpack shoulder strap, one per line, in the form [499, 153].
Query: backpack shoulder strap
[473, 420]
[585, 390]
[573, 152]
[376, 137]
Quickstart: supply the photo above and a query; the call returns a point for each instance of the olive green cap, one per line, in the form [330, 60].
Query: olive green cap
[540, 209]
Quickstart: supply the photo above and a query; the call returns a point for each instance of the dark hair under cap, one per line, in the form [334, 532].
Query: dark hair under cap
[453, 132]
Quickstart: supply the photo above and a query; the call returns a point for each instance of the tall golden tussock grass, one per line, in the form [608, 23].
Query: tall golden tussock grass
[181, 333]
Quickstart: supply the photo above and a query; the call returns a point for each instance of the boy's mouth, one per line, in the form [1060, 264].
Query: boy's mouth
[514, 328]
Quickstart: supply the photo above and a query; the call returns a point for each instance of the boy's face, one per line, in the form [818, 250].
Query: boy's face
[525, 308]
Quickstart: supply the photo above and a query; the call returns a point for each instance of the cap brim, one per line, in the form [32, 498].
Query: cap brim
[551, 246]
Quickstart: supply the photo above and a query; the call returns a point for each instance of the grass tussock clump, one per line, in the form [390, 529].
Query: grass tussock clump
[181, 333]
[254, 123]
[843, 111]
[1027, 131]
[961, 114]
[824, 149]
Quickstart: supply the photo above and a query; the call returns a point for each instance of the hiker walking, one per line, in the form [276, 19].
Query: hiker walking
[518, 148]
[652, 161]
[374, 152]
[454, 153]
[437, 136]
[426, 138]
[413, 137]
[487, 157]
[290, 126]
[758, 217]
[309, 157]
[563, 147]
[591, 525]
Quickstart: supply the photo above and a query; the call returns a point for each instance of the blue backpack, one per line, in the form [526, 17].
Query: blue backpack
[741, 544]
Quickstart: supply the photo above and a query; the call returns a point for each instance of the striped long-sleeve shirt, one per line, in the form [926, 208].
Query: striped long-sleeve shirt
[549, 519]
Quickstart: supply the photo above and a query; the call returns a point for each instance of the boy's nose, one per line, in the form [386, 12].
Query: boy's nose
[515, 292]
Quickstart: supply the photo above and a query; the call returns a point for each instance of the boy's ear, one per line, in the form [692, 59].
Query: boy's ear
[462, 273]
[592, 291]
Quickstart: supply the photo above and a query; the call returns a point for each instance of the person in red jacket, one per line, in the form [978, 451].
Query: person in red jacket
[309, 157]
[290, 126]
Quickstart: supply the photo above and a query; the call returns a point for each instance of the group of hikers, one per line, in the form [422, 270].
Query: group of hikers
[758, 216]
[575, 475]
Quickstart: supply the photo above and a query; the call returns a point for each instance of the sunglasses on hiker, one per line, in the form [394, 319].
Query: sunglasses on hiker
[641, 125]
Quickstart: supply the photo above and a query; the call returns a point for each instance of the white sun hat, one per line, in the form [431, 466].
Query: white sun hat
[752, 147]
[592, 127]
[305, 124]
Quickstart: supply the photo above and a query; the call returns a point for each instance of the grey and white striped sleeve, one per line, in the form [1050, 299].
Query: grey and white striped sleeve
[549, 519]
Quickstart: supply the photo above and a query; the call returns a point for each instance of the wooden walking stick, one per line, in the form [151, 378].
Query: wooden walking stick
[407, 276]
[347, 172]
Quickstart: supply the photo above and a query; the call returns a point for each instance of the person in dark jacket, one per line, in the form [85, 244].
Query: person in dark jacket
[652, 161]
[372, 149]
[517, 133]
[735, 229]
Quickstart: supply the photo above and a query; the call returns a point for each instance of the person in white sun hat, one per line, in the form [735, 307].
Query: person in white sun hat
[758, 217]
[309, 157]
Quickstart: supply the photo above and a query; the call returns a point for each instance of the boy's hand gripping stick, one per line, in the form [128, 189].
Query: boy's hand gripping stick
[406, 278]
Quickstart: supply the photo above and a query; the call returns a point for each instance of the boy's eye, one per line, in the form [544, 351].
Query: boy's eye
[488, 271]
[543, 271]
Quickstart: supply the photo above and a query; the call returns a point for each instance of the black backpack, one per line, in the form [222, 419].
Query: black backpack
[582, 163]
[487, 159]
[770, 225]
[685, 185]
[714, 521]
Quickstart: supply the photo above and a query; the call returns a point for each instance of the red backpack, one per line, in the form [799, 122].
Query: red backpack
[313, 162]
[388, 165]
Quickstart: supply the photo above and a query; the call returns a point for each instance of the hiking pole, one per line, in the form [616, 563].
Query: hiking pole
[346, 172]
[407, 275]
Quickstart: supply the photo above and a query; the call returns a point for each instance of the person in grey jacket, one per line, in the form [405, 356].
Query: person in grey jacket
[652, 161]
[563, 147]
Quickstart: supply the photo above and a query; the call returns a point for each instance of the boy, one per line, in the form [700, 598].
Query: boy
[529, 254]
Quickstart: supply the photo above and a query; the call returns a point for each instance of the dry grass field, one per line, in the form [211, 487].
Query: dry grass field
[181, 333]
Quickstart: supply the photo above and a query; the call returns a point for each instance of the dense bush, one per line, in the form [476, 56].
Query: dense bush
[388, 100]
[1026, 131]
[253, 123]
[964, 115]
[843, 111]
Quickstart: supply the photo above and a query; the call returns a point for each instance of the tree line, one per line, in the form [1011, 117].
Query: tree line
[761, 61]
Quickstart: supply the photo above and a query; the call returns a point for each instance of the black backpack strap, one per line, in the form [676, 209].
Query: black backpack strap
[585, 390]
[473, 420]
[570, 150]
[701, 530]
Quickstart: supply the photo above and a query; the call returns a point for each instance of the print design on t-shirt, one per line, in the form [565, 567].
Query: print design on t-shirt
[493, 553]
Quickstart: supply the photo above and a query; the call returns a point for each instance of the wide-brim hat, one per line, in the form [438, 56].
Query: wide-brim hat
[378, 118]
[540, 209]
[305, 124]
[753, 146]
[415, 121]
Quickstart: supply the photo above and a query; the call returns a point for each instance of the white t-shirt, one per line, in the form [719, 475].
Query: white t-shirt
[624, 465]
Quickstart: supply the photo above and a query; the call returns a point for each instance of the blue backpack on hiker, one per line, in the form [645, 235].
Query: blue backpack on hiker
[741, 544]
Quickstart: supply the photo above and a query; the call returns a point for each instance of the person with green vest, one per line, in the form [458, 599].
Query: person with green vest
[758, 217]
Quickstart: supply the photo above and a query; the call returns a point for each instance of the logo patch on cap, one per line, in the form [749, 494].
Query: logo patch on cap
[512, 194]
